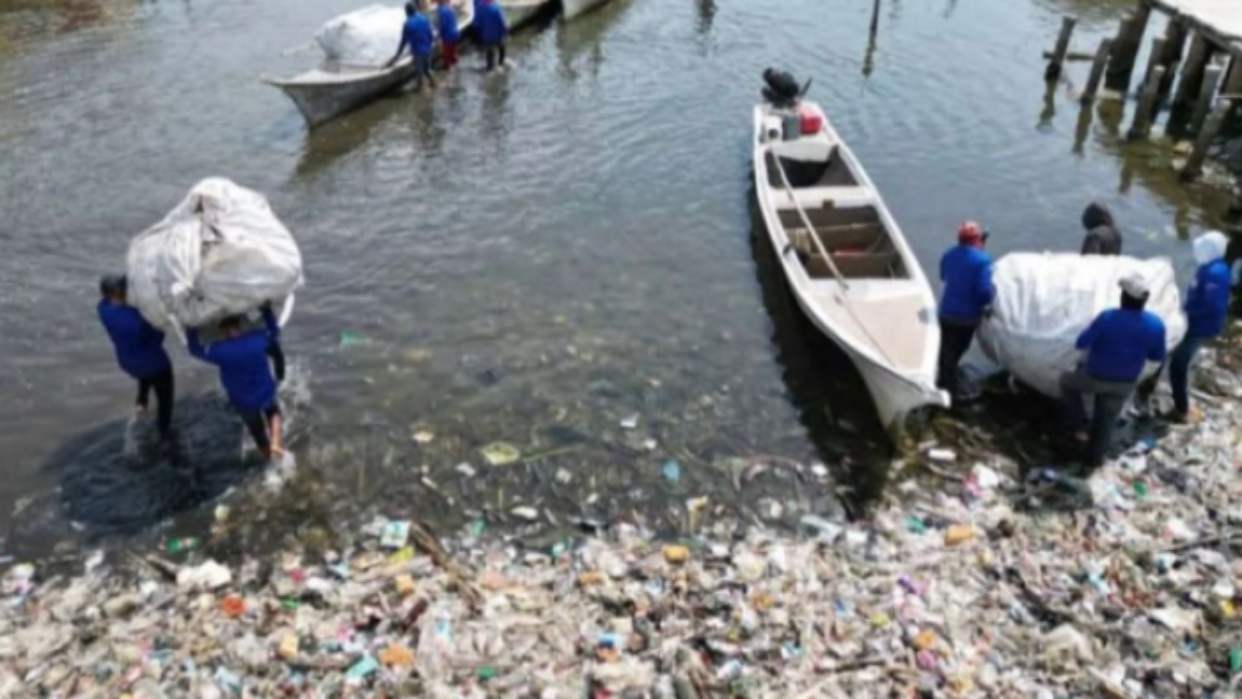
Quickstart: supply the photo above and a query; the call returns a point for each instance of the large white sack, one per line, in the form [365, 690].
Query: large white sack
[1045, 301]
[220, 252]
[366, 37]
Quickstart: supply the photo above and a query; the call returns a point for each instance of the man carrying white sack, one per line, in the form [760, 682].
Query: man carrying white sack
[1207, 305]
[1116, 345]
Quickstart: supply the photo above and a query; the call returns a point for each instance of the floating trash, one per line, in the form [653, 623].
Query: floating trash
[501, 453]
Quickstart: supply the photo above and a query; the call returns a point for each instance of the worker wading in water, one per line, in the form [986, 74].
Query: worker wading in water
[242, 357]
[139, 348]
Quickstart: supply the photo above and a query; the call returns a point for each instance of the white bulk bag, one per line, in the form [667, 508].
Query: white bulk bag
[1045, 301]
[220, 252]
[366, 37]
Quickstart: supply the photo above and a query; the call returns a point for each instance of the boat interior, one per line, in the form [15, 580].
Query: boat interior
[811, 173]
[854, 236]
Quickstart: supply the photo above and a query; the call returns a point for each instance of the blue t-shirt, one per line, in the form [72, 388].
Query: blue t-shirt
[1207, 302]
[417, 35]
[244, 369]
[967, 275]
[448, 24]
[1119, 341]
[139, 345]
[490, 20]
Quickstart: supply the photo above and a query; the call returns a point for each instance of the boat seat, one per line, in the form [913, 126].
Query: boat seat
[858, 265]
[861, 237]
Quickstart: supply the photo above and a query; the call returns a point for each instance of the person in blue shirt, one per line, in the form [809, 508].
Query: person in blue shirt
[491, 30]
[1118, 344]
[242, 357]
[450, 35]
[1206, 306]
[417, 35]
[139, 348]
[966, 270]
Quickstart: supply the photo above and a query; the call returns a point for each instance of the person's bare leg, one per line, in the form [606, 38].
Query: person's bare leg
[276, 431]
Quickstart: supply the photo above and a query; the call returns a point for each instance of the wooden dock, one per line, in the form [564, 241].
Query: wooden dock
[1219, 20]
[1194, 70]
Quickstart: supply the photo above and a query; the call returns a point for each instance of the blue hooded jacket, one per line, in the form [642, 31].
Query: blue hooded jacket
[1207, 301]
[417, 35]
[447, 19]
[139, 345]
[244, 368]
[967, 275]
[1119, 341]
[490, 20]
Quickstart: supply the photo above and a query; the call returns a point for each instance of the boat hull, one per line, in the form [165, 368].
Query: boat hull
[321, 101]
[519, 14]
[571, 9]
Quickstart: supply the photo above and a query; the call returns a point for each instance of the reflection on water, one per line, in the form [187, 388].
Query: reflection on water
[832, 400]
[561, 256]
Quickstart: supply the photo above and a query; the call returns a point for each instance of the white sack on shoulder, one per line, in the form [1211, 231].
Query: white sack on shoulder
[365, 37]
[220, 252]
[1045, 301]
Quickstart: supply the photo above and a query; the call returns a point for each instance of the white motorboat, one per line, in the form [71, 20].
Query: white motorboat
[518, 13]
[324, 93]
[844, 256]
[573, 8]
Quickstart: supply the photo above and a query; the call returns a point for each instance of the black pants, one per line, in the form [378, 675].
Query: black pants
[497, 49]
[256, 422]
[163, 385]
[955, 339]
[277, 355]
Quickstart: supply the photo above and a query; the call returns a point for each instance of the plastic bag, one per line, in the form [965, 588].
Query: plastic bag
[365, 37]
[1045, 301]
[220, 252]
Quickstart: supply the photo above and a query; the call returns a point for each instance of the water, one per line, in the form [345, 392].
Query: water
[529, 257]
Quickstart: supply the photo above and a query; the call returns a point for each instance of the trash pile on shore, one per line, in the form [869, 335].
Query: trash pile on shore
[984, 582]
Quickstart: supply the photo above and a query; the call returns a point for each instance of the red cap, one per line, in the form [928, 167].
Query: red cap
[970, 232]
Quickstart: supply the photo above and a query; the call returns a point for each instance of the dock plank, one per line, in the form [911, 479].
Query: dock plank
[1220, 20]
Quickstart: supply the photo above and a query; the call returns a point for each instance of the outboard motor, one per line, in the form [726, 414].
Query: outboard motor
[782, 90]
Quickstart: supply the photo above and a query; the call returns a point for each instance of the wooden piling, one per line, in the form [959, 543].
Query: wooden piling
[1145, 112]
[1207, 90]
[1153, 60]
[1053, 71]
[1233, 83]
[1097, 71]
[1171, 55]
[1194, 164]
[1192, 71]
[1125, 48]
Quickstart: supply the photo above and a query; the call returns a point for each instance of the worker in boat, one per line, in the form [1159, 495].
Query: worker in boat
[139, 348]
[1103, 237]
[242, 357]
[492, 30]
[1206, 306]
[1117, 345]
[450, 34]
[417, 35]
[966, 271]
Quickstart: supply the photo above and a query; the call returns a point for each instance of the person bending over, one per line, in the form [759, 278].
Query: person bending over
[417, 35]
[139, 348]
[242, 357]
[1117, 344]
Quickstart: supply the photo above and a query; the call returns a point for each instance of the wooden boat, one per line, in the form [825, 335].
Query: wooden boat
[573, 8]
[326, 92]
[518, 13]
[845, 258]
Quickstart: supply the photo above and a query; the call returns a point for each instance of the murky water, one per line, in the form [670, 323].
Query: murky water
[560, 257]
